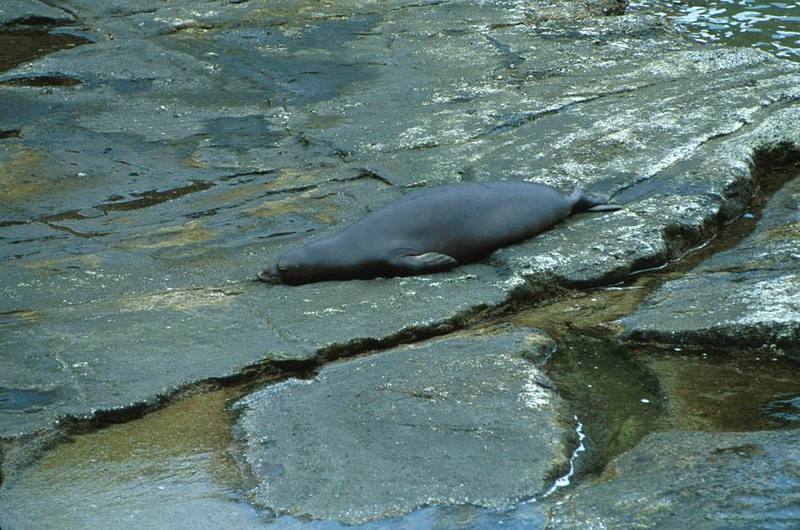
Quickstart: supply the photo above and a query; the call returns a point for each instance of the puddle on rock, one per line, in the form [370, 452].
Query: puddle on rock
[171, 465]
[23, 399]
[785, 410]
[617, 400]
[621, 393]
[20, 46]
[724, 393]
[175, 465]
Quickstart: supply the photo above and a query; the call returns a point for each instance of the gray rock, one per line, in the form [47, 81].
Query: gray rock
[462, 420]
[23, 12]
[748, 295]
[693, 480]
[153, 173]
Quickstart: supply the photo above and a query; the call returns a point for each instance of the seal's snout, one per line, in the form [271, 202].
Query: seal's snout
[270, 275]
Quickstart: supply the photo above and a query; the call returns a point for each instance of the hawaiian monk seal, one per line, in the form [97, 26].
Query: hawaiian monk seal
[432, 230]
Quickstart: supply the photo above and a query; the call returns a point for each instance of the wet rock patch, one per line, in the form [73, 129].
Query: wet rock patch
[16, 13]
[693, 480]
[464, 420]
[26, 45]
[42, 81]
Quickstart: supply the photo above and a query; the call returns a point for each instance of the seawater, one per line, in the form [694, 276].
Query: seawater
[770, 26]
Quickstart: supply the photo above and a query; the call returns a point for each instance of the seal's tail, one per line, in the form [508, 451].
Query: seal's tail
[591, 202]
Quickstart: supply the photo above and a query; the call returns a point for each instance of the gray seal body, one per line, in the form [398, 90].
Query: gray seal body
[432, 230]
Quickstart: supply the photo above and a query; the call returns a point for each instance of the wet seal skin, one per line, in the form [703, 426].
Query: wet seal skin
[433, 230]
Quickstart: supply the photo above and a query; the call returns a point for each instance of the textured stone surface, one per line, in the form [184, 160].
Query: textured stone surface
[693, 480]
[748, 295]
[463, 420]
[33, 12]
[151, 174]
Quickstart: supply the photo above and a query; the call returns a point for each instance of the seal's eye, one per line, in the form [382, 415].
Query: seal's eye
[282, 267]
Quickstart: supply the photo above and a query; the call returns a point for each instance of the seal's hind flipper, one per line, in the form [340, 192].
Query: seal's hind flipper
[604, 208]
[581, 201]
[422, 263]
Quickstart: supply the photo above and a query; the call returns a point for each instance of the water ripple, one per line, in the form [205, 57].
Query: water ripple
[770, 26]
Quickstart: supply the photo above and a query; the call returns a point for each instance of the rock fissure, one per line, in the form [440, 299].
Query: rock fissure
[385, 98]
[354, 348]
[61, 7]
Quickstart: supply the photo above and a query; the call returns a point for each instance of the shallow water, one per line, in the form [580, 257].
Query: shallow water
[171, 465]
[176, 463]
[21, 46]
[771, 26]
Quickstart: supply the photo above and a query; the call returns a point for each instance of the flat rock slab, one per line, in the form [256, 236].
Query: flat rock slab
[693, 480]
[748, 295]
[33, 12]
[146, 177]
[463, 420]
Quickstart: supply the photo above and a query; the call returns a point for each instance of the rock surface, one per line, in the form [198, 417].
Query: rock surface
[748, 295]
[151, 174]
[14, 13]
[463, 420]
[693, 480]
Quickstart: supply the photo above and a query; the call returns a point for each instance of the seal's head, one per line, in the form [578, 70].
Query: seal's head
[296, 267]
[270, 275]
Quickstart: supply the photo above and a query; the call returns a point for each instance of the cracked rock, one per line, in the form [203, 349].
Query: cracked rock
[693, 480]
[463, 420]
[33, 12]
[191, 143]
[748, 295]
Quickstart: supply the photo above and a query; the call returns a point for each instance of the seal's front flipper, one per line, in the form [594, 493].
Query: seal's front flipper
[604, 208]
[422, 263]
